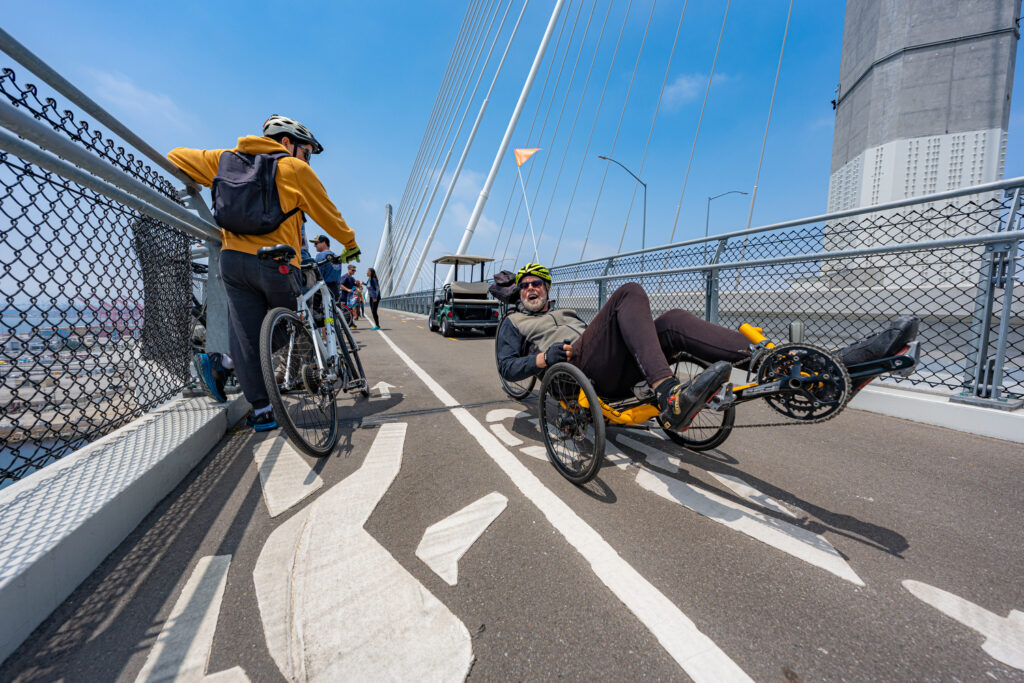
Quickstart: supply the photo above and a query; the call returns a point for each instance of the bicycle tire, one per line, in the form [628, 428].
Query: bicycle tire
[709, 428]
[348, 350]
[561, 385]
[517, 390]
[311, 426]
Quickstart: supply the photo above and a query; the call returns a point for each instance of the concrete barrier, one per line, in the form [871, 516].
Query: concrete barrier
[58, 524]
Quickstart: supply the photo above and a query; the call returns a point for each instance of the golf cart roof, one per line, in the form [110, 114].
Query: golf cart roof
[462, 260]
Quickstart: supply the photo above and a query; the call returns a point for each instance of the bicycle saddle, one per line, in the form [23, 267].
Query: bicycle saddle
[278, 252]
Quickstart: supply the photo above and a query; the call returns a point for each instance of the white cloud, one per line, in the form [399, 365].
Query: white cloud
[687, 88]
[124, 96]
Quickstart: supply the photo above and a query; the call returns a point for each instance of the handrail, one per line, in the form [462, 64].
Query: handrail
[30, 61]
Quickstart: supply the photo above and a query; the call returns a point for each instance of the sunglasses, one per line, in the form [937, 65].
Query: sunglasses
[527, 284]
[307, 152]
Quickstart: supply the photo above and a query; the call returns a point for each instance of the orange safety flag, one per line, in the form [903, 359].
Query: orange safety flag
[523, 154]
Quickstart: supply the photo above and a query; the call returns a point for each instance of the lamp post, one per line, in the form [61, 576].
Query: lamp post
[643, 230]
[707, 214]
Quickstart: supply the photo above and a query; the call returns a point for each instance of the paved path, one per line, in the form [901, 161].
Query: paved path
[438, 542]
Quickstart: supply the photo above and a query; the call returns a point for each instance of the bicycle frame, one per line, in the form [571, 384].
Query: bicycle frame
[326, 349]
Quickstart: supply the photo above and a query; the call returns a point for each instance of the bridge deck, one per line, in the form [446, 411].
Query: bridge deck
[782, 554]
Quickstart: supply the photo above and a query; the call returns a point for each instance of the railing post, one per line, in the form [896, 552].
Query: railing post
[216, 297]
[711, 286]
[602, 285]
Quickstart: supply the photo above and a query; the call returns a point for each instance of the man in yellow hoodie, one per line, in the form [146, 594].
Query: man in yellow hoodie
[253, 286]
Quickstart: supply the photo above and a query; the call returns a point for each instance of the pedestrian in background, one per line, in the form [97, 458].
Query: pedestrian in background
[373, 292]
[330, 272]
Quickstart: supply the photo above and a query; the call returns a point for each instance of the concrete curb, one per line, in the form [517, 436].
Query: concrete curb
[404, 314]
[58, 524]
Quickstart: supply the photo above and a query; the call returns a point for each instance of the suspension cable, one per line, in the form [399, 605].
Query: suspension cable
[700, 119]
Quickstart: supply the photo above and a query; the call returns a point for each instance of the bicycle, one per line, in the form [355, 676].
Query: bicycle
[803, 382]
[307, 357]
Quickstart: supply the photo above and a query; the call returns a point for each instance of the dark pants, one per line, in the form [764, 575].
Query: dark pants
[624, 345]
[335, 290]
[253, 287]
[374, 303]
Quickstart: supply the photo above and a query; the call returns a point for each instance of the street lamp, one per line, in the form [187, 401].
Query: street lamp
[643, 232]
[707, 214]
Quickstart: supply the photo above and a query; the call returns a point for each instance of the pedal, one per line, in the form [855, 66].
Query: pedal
[723, 398]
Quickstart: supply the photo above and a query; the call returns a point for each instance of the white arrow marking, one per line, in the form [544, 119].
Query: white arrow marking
[654, 456]
[538, 452]
[183, 647]
[1005, 636]
[445, 542]
[748, 492]
[499, 414]
[334, 602]
[384, 389]
[285, 476]
[506, 436]
[695, 653]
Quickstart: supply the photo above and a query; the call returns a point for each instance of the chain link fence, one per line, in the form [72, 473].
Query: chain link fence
[96, 298]
[950, 262]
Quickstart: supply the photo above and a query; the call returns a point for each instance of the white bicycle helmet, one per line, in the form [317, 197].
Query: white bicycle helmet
[277, 124]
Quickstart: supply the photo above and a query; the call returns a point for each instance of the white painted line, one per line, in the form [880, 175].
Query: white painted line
[791, 539]
[285, 476]
[693, 651]
[445, 542]
[653, 456]
[183, 647]
[616, 457]
[538, 452]
[499, 414]
[336, 605]
[384, 389]
[1005, 636]
[748, 492]
[506, 436]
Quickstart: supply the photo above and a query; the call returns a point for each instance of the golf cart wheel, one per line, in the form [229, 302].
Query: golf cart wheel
[446, 328]
[710, 428]
[573, 433]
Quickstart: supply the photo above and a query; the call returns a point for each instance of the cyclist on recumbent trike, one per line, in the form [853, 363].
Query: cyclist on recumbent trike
[597, 368]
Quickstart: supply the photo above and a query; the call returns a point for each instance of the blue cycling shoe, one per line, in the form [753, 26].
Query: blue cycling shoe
[263, 422]
[211, 374]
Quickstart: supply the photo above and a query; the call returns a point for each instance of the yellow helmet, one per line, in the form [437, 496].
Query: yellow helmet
[534, 269]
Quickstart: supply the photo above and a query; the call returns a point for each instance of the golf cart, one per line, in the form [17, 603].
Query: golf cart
[463, 304]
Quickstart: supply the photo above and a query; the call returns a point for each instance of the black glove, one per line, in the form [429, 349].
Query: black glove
[556, 353]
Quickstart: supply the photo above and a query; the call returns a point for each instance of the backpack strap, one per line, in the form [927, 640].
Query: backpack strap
[276, 156]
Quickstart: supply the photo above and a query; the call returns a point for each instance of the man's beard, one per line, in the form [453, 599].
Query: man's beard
[537, 305]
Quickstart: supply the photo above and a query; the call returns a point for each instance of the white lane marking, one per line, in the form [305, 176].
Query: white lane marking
[748, 492]
[506, 436]
[653, 456]
[693, 651]
[616, 457]
[538, 452]
[1005, 636]
[183, 647]
[652, 434]
[336, 605]
[384, 389]
[791, 539]
[499, 414]
[445, 542]
[285, 476]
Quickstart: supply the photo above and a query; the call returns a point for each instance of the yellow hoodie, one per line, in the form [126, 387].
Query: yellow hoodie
[297, 186]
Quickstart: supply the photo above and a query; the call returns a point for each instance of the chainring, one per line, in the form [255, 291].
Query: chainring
[811, 401]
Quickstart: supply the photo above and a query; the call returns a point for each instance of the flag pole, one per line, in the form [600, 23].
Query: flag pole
[533, 235]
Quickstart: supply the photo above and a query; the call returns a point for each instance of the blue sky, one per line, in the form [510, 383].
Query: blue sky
[364, 77]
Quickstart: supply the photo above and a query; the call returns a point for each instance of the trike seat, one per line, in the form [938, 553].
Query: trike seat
[889, 342]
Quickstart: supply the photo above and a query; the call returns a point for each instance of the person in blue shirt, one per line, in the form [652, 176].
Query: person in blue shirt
[330, 272]
[347, 284]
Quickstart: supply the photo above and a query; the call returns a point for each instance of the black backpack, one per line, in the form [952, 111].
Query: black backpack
[245, 199]
[504, 287]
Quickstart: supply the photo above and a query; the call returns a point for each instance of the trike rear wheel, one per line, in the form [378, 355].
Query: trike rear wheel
[573, 432]
[710, 428]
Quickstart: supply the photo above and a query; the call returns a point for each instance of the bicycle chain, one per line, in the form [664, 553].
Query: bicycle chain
[793, 422]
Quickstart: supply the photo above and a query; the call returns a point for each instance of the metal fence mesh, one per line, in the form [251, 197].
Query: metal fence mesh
[838, 298]
[96, 300]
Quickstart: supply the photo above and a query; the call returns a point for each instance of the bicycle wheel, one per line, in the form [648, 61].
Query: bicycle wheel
[711, 427]
[304, 401]
[348, 354]
[573, 434]
[517, 390]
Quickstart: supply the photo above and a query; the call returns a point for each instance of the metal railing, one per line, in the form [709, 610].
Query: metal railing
[97, 273]
[949, 258]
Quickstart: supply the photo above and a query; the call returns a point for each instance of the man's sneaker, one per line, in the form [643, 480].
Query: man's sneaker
[263, 422]
[888, 342]
[686, 400]
[375, 327]
[211, 374]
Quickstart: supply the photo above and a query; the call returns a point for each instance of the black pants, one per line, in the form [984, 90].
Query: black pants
[374, 303]
[335, 289]
[624, 345]
[253, 287]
